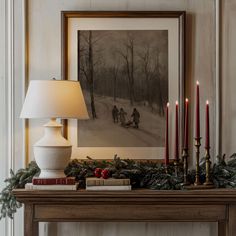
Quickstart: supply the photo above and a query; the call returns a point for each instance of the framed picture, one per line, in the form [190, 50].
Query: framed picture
[129, 64]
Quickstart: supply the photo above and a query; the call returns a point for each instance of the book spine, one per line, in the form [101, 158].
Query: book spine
[109, 188]
[53, 181]
[51, 187]
[116, 182]
[94, 182]
[107, 182]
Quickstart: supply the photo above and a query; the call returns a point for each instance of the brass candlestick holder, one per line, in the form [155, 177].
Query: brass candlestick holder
[208, 182]
[197, 184]
[166, 169]
[185, 166]
[197, 175]
[176, 165]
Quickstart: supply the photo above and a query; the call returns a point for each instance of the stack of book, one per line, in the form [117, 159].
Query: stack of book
[96, 184]
[67, 183]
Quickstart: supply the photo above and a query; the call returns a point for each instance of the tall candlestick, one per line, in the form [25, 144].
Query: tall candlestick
[167, 136]
[186, 125]
[185, 147]
[208, 183]
[176, 131]
[207, 141]
[197, 134]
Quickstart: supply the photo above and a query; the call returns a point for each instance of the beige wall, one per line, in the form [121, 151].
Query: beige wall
[45, 62]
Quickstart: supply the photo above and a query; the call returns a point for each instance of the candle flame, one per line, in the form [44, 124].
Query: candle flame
[207, 102]
[186, 99]
[197, 82]
[176, 102]
[168, 104]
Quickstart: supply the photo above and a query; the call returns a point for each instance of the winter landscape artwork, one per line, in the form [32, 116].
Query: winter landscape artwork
[124, 77]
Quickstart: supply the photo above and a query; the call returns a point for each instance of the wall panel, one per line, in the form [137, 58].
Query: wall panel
[228, 82]
[11, 97]
[3, 157]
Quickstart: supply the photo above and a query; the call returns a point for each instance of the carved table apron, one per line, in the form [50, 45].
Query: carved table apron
[218, 205]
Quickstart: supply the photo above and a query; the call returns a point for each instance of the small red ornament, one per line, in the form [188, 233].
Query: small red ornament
[98, 172]
[105, 174]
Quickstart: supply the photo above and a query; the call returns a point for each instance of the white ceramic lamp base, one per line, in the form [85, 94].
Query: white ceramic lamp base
[52, 152]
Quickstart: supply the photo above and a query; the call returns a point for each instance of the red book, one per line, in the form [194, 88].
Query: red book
[54, 181]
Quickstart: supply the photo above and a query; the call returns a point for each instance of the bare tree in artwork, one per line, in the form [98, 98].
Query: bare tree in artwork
[115, 71]
[87, 65]
[145, 57]
[128, 56]
[157, 69]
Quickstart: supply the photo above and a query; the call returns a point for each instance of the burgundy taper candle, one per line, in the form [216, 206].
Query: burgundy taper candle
[176, 131]
[186, 125]
[167, 136]
[197, 131]
[207, 141]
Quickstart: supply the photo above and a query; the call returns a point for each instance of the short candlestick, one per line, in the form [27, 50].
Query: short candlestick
[166, 169]
[197, 176]
[208, 165]
[185, 163]
[176, 165]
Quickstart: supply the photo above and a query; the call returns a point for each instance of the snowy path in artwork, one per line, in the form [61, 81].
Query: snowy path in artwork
[102, 132]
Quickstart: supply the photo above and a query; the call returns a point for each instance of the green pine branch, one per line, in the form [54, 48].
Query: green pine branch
[150, 175]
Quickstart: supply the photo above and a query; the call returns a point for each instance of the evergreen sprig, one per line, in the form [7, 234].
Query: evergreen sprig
[8, 201]
[143, 174]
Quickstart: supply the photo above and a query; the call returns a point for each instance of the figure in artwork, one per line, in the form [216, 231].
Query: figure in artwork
[136, 117]
[115, 114]
[122, 114]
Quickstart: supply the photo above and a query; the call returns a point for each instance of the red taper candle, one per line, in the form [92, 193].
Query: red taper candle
[186, 125]
[197, 131]
[207, 141]
[167, 136]
[176, 131]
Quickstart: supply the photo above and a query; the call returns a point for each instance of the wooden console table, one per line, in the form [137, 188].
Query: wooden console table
[138, 205]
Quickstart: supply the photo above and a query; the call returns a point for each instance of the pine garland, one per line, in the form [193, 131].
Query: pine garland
[150, 175]
[8, 201]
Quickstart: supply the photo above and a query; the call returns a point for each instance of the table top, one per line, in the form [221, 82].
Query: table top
[209, 195]
[215, 205]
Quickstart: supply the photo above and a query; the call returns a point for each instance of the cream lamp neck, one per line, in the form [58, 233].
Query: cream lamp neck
[53, 123]
[53, 135]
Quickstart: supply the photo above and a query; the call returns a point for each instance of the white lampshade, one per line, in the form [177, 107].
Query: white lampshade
[54, 99]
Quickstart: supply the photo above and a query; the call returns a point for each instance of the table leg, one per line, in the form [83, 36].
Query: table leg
[222, 228]
[231, 224]
[30, 226]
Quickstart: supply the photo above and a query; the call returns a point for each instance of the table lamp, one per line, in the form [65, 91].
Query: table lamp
[53, 99]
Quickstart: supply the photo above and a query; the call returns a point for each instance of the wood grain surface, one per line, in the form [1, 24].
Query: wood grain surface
[129, 206]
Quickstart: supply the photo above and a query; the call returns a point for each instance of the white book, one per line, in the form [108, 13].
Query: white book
[108, 188]
[30, 186]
